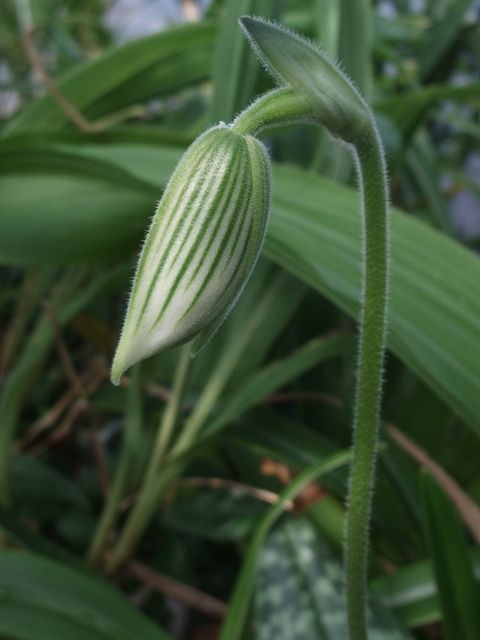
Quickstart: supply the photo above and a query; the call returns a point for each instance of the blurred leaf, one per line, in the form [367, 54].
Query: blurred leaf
[66, 305]
[423, 166]
[408, 109]
[458, 593]
[434, 324]
[300, 591]
[75, 198]
[356, 37]
[41, 490]
[278, 373]
[118, 70]
[235, 66]
[244, 588]
[411, 592]
[215, 514]
[434, 311]
[41, 600]
[440, 38]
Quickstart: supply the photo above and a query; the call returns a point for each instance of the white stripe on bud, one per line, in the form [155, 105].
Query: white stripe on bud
[201, 248]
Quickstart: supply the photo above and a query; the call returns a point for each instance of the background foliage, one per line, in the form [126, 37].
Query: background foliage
[272, 393]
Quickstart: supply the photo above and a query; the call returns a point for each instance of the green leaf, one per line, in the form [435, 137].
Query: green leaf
[118, 71]
[408, 110]
[276, 374]
[221, 514]
[42, 600]
[356, 38]
[42, 491]
[314, 232]
[423, 167]
[300, 591]
[441, 37]
[240, 603]
[434, 314]
[411, 592]
[66, 305]
[458, 593]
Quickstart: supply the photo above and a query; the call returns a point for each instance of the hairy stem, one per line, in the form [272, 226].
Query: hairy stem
[372, 181]
[277, 108]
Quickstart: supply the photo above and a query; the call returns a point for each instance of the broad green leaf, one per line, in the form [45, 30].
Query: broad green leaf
[42, 600]
[453, 569]
[113, 75]
[434, 325]
[300, 591]
[434, 313]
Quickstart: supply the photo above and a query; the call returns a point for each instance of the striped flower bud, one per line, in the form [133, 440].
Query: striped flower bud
[201, 248]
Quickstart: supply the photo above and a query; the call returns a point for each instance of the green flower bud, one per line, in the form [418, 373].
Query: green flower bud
[201, 247]
[294, 61]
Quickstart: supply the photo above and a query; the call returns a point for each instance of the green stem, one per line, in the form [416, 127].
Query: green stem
[150, 490]
[267, 112]
[122, 471]
[277, 108]
[372, 180]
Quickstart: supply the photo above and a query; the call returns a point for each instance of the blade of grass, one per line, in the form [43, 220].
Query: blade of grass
[276, 374]
[131, 434]
[466, 507]
[240, 603]
[458, 593]
[41, 599]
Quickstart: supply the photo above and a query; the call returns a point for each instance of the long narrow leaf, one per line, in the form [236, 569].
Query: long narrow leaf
[41, 599]
[453, 569]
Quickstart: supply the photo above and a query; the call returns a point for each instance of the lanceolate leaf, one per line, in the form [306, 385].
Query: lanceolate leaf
[41, 600]
[434, 315]
[115, 72]
[314, 232]
[452, 565]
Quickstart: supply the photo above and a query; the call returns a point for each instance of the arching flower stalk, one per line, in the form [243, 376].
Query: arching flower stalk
[208, 231]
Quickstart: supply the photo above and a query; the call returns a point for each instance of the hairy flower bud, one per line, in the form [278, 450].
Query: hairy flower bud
[201, 248]
[292, 60]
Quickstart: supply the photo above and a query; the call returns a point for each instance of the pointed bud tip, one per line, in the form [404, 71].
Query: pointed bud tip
[116, 372]
[252, 25]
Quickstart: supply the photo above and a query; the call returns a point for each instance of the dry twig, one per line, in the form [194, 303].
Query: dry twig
[175, 589]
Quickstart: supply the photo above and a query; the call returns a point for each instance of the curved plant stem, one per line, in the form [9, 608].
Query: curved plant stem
[150, 490]
[278, 108]
[372, 181]
[123, 468]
